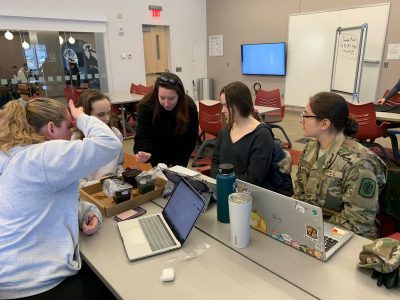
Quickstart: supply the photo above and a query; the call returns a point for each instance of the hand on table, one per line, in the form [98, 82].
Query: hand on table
[92, 224]
[142, 156]
[381, 101]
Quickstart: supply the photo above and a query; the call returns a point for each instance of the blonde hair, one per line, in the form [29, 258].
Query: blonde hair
[20, 124]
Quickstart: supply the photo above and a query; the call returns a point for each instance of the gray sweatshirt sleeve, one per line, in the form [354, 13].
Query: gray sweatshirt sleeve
[84, 209]
[66, 162]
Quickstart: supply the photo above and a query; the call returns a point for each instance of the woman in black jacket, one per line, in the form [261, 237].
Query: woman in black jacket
[167, 124]
[249, 145]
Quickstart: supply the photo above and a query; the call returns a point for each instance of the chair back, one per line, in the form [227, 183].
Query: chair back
[394, 101]
[77, 94]
[210, 118]
[365, 116]
[144, 90]
[134, 89]
[69, 94]
[268, 98]
[140, 89]
[271, 99]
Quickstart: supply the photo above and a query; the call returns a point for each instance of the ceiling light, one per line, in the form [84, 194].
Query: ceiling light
[25, 45]
[71, 40]
[60, 39]
[8, 35]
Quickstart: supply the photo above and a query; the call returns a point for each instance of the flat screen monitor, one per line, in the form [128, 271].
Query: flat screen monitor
[264, 59]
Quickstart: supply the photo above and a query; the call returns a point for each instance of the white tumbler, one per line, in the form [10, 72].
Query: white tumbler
[239, 214]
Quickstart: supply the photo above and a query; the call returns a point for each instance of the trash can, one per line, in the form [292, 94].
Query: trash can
[205, 88]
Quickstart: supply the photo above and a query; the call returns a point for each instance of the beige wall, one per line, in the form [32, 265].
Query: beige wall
[258, 21]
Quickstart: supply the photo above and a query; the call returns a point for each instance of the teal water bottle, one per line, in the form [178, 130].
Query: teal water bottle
[225, 186]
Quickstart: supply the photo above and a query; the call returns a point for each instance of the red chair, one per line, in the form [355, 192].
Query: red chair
[394, 101]
[145, 90]
[273, 99]
[77, 94]
[210, 124]
[365, 116]
[70, 94]
[134, 89]
[140, 89]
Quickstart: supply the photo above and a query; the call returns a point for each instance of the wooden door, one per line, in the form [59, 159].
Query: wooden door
[156, 45]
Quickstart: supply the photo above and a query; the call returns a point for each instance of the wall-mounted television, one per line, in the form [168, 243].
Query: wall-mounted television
[264, 59]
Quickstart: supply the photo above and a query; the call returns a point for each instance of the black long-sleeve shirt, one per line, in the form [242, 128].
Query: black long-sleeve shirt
[251, 156]
[393, 91]
[161, 140]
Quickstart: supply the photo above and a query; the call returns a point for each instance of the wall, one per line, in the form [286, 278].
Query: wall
[180, 15]
[260, 21]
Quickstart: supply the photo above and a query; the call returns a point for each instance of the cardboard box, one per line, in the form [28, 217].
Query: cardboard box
[108, 207]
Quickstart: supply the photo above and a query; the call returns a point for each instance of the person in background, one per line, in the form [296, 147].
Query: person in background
[392, 92]
[14, 72]
[39, 175]
[95, 103]
[335, 172]
[21, 75]
[167, 125]
[249, 145]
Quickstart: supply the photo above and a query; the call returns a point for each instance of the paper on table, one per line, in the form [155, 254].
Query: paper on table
[184, 171]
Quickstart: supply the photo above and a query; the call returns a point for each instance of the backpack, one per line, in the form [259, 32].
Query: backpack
[279, 179]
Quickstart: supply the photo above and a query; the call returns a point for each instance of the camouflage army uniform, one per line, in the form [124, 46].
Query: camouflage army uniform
[345, 182]
[382, 255]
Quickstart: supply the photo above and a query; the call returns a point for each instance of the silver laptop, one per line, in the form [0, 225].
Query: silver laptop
[166, 231]
[294, 222]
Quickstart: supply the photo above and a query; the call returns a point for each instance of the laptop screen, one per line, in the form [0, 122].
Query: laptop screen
[183, 209]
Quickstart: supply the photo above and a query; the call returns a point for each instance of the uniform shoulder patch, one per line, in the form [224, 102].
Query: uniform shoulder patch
[367, 188]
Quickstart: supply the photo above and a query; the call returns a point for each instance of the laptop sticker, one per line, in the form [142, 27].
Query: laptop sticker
[300, 208]
[257, 222]
[319, 246]
[311, 232]
[286, 238]
[317, 252]
[338, 231]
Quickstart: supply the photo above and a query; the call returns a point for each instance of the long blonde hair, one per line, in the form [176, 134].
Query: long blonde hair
[20, 124]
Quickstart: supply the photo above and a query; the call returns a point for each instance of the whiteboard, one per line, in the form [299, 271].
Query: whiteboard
[348, 59]
[311, 43]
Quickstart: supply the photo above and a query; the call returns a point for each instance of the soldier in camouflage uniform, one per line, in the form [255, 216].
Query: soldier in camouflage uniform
[335, 172]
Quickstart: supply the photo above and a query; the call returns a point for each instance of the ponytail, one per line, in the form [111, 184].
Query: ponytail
[351, 127]
[15, 129]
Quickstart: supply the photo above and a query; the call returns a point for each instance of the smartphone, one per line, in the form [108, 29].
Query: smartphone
[130, 214]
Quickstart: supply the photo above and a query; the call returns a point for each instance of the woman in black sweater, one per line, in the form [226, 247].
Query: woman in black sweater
[167, 125]
[248, 144]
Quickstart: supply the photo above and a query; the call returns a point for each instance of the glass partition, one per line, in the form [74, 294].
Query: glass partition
[50, 63]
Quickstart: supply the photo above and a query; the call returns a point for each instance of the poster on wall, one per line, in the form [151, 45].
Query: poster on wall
[216, 45]
[80, 62]
[393, 51]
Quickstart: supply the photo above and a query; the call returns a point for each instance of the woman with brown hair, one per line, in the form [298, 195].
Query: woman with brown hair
[97, 104]
[248, 144]
[336, 172]
[167, 125]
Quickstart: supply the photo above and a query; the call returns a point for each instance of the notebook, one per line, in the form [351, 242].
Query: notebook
[294, 222]
[154, 234]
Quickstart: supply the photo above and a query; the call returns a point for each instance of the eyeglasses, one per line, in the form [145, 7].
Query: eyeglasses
[171, 82]
[303, 116]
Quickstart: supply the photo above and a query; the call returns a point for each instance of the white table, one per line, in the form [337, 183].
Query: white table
[338, 278]
[261, 109]
[122, 98]
[219, 273]
[386, 116]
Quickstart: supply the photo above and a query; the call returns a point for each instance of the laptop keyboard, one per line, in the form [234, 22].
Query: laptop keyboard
[329, 243]
[156, 233]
